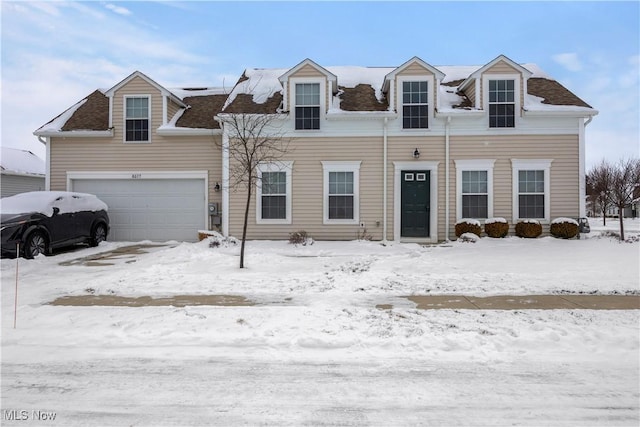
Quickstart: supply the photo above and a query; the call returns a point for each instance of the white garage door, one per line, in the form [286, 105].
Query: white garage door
[150, 209]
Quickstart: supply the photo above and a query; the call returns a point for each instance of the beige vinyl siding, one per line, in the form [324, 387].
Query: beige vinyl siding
[471, 94]
[307, 184]
[307, 191]
[562, 149]
[111, 154]
[172, 109]
[307, 71]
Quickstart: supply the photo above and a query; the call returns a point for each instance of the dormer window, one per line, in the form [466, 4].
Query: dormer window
[307, 106]
[137, 113]
[502, 104]
[415, 105]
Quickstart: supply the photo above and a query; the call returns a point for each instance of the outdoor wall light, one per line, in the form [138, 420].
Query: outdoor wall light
[416, 153]
[217, 187]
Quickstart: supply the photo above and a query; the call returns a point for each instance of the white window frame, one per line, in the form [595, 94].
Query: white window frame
[124, 118]
[517, 82]
[293, 81]
[474, 165]
[518, 165]
[341, 166]
[286, 167]
[430, 99]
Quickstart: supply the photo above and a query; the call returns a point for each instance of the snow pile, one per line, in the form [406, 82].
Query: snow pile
[21, 161]
[561, 220]
[262, 83]
[496, 220]
[44, 201]
[58, 123]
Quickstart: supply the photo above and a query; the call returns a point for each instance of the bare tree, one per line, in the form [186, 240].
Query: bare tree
[599, 182]
[253, 139]
[625, 180]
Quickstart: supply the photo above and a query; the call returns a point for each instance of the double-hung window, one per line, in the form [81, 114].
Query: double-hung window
[341, 188]
[502, 104]
[137, 118]
[307, 106]
[531, 193]
[415, 105]
[531, 188]
[274, 193]
[475, 194]
[474, 187]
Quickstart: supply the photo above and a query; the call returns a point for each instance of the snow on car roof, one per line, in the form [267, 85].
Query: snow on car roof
[44, 201]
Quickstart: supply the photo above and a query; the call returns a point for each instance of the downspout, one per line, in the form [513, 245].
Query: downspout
[446, 178]
[47, 163]
[582, 209]
[225, 180]
[384, 181]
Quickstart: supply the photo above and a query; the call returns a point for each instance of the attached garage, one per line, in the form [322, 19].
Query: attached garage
[156, 206]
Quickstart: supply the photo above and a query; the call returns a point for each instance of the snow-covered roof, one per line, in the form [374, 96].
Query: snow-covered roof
[359, 92]
[18, 161]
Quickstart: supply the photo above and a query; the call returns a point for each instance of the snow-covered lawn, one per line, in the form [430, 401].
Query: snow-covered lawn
[316, 350]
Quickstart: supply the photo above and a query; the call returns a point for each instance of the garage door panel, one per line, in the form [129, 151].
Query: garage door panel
[150, 209]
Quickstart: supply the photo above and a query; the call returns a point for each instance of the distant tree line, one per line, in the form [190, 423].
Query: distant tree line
[614, 185]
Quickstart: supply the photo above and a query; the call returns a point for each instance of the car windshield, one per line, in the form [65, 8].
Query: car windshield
[44, 202]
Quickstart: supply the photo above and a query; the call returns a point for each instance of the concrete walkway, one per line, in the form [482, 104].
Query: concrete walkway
[422, 302]
[528, 302]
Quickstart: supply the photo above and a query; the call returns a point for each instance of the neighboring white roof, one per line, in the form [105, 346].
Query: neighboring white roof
[21, 162]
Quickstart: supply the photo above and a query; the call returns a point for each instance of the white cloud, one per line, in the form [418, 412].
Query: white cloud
[568, 60]
[118, 9]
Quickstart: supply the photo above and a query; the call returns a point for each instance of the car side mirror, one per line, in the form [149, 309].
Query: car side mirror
[56, 210]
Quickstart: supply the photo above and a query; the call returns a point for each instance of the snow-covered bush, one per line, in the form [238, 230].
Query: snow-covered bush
[529, 228]
[467, 225]
[217, 240]
[468, 237]
[496, 227]
[564, 228]
[300, 238]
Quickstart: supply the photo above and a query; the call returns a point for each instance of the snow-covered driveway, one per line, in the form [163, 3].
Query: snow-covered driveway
[330, 357]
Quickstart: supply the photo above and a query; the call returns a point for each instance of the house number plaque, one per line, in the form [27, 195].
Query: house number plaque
[136, 175]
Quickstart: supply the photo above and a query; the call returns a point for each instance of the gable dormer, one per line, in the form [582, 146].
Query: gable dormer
[138, 105]
[308, 89]
[412, 90]
[498, 88]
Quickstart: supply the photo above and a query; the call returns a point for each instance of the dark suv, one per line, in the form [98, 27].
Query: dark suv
[41, 221]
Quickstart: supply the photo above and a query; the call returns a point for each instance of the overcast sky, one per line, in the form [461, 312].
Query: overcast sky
[56, 53]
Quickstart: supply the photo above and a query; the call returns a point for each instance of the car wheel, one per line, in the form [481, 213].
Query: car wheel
[99, 235]
[35, 244]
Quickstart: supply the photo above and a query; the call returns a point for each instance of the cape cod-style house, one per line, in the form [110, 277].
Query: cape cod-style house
[403, 152]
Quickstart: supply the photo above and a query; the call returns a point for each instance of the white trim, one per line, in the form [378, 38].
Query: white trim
[47, 162]
[76, 134]
[431, 88]
[144, 175]
[124, 117]
[280, 166]
[341, 166]
[531, 164]
[474, 165]
[517, 98]
[432, 167]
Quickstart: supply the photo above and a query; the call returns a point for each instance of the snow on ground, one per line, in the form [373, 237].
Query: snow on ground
[316, 350]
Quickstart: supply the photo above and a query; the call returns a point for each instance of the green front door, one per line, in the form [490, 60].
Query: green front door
[414, 204]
